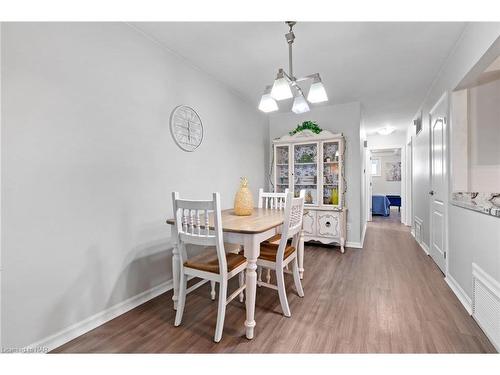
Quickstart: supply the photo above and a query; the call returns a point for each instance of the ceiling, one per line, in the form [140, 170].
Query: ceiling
[386, 66]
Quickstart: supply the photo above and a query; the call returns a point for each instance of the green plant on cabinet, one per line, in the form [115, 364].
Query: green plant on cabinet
[307, 125]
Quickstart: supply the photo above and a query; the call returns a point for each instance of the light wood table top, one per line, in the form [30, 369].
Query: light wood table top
[259, 221]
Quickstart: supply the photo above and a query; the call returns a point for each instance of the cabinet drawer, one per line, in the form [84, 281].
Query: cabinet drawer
[328, 224]
[309, 223]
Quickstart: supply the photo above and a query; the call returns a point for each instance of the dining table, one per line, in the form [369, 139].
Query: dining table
[247, 231]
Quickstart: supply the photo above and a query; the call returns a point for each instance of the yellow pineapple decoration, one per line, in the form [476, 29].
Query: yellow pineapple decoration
[243, 201]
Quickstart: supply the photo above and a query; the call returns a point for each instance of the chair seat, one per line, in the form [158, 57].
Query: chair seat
[209, 262]
[276, 239]
[269, 250]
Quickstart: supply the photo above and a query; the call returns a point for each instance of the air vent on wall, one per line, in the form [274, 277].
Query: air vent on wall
[486, 304]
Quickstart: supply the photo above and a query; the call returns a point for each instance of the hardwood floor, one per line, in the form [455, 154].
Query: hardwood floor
[387, 298]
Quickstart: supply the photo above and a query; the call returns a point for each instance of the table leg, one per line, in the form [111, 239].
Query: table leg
[175, 274]
[300, 254]
[252, 249]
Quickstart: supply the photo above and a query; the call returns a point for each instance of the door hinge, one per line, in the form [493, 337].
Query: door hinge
[445, 255]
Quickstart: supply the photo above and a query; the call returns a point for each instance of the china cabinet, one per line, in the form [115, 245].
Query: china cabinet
[314, 163]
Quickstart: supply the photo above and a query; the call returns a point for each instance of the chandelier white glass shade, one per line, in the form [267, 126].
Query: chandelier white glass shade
[281, 88]
[317, 92]
[267, 103]
[300, 104]
[286, 86]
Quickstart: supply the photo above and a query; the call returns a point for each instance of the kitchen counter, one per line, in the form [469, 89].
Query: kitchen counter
[486, 203]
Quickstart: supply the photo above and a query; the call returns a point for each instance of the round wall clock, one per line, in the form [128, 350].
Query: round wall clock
[186, 128]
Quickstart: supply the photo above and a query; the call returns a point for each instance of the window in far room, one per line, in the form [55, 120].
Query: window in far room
[375, 167]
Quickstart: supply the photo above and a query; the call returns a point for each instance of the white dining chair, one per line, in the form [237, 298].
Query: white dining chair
[279, 202]
[277, 256]
[192, 226]
[272, 200]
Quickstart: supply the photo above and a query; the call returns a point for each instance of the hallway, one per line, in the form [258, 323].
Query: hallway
[387, 298]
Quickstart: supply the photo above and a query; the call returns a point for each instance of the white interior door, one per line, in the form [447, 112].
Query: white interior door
[438, 193]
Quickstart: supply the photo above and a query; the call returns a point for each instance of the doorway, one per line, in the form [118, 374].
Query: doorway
[386, 181]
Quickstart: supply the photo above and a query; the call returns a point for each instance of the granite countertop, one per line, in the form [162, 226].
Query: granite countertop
[486, 203]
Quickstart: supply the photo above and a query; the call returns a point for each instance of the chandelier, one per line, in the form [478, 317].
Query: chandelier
[286, 85]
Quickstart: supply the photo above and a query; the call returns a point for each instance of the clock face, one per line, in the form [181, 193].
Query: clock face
[186, 128]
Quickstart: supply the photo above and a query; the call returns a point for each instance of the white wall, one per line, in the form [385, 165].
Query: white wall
[344, 118]
[484, 133]
[88, 167]
[1, 164]
[363, 155]
[473, 43]
[459, 153]
[379, 184]
[395, 140]
[474, 237]
[476, 136]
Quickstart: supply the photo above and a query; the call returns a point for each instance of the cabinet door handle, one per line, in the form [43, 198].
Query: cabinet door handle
[328, 224]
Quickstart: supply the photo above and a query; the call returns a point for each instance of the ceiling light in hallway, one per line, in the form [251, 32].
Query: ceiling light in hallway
[386, 130]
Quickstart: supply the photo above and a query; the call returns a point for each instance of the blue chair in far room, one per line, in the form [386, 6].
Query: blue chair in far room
[395, 201]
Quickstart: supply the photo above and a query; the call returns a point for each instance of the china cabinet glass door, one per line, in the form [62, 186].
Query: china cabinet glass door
[282, 169]
[331, 167]
[305, 160]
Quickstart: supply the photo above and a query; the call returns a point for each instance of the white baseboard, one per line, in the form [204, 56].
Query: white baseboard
[363, 235]
[100, 318]
[355, 245]
[460, 293]
[422, 245]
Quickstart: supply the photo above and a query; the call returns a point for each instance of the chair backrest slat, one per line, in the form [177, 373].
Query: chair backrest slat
[199, 223]
[292, 225]
[207, 226]
[191, 221]
[274, 201]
